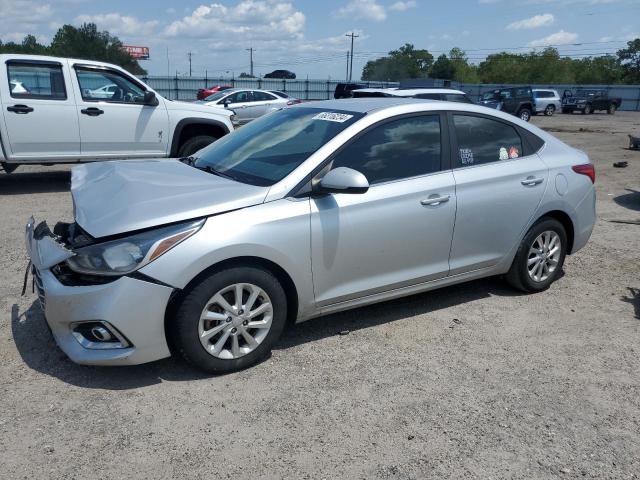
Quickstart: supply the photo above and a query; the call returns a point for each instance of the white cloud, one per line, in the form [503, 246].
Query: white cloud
[119, 24]
[22, 17]
[363, 10]
[402, 6]
[558, 38]
[247, 20]
[536, 21]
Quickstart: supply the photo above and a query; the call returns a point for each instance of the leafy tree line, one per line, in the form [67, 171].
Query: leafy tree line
[546, 66]
[84, 42]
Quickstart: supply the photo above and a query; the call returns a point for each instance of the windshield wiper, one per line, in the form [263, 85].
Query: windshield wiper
[191, 161]
[213, 171]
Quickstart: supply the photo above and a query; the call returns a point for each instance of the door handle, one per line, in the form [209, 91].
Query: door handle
[532, 181]
[20, 109]
[92, 111]
[434, 200]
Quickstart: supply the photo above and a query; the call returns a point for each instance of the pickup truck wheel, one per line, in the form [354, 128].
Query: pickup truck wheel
[587, 109]
[612, 109]
[525, 114]
[550, 110]
[8, 167]
[194, 144]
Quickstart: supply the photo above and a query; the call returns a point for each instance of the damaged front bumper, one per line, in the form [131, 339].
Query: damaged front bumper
[131, 310]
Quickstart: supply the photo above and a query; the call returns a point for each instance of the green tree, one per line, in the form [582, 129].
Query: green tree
[464, 71]
[443, 68]
[630, 59]
[84, 42]
[405, 62]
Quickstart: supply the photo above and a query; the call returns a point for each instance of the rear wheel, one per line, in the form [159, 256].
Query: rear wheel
[612, 109]
[230, 320]
[540, 256]
[525, 114]
[8, 167]
[194, 144]
[550, 110]
[587, 109]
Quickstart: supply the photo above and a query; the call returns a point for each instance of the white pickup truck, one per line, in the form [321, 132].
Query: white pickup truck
[61, 110]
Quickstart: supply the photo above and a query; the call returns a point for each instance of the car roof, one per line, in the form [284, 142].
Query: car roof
[363, 105]
[407, 92]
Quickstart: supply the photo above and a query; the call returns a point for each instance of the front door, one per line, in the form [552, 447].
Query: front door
[39, 111]
[399, 232]
[243, 104]
[499, 185]
[114, 122]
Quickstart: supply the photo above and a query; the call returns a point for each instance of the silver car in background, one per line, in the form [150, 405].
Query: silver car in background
[246, 103]
[547, 101]
[310, 210]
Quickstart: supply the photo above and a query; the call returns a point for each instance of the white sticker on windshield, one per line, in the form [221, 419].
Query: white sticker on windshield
[333, 117]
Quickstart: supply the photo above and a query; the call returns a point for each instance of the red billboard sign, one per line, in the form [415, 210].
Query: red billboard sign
[139, 53]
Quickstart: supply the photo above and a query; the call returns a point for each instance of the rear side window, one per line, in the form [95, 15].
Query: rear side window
[456, 97]
[262, 96]
[429, 96]
[482, 140]
[403, 148]
[36, 81]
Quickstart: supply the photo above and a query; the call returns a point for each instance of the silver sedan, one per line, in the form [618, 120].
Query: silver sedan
[247, 104]
[309, 210]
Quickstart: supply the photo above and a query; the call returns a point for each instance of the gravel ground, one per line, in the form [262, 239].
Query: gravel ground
[472, 381]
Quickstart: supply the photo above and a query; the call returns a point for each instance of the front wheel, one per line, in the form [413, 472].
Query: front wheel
[612, 109]
[550, 110]
[194, 144]
[525, 114]
[230, 320]
[587, 109]
[540, 256]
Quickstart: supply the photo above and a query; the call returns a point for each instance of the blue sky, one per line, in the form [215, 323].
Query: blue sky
[308, 37]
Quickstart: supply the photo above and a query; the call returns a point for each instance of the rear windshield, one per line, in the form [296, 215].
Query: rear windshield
[270, 148]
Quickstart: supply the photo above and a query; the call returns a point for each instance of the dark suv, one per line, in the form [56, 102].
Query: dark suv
[517, 101]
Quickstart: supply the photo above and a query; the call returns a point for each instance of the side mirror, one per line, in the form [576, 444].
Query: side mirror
[226, 102]
[343, 180]
[150, 99]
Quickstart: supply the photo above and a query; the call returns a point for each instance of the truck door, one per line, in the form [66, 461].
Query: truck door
[114, 121]
[39, 111]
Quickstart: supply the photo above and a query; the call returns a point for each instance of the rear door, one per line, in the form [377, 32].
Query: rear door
[39, 111]
[500, 182]
[115, 122]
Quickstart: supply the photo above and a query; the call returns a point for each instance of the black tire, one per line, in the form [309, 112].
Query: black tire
[524, 114]
[194, 144]
[183, 328]
[588, 110]
[518, 275]
[8, 167]
[550, 110]
[612, 109]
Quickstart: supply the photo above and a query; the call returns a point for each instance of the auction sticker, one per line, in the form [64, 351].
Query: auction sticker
[333, 117]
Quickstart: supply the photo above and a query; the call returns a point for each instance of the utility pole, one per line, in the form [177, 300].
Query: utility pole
[189, 63]
[347, 77]
[250, 50]
[352, 35]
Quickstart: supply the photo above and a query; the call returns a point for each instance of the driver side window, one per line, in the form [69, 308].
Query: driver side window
[108, 86]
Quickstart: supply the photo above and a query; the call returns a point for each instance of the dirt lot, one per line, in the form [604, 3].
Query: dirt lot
[473, 381]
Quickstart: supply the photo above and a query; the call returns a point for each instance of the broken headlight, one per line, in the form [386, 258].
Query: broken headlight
[127, 254]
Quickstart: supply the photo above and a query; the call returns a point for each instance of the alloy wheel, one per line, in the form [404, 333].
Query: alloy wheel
[544, 255]
[235, 321]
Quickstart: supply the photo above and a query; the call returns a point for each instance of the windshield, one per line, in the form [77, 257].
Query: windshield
[217, 96]
[490, 96]
[268, 149]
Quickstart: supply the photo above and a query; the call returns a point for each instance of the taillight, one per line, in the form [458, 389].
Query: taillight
[587, 169]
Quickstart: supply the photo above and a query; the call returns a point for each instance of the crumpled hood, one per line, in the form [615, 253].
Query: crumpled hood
[198, 107]
[122, 196]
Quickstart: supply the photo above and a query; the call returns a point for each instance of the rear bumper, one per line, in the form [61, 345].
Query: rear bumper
[135, 308]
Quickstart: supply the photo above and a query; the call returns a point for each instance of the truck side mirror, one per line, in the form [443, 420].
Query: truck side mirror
[150, 99]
